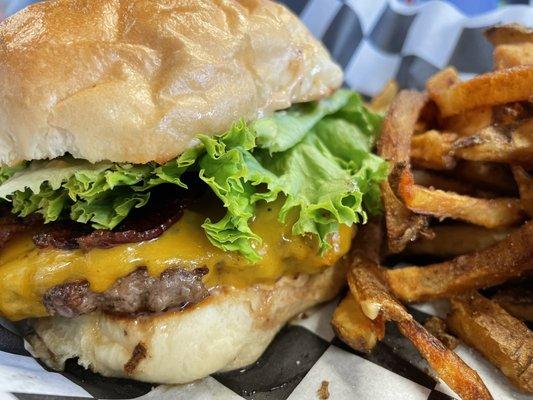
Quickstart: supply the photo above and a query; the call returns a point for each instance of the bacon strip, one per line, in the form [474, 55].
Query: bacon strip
[164, 209]
[10, 225]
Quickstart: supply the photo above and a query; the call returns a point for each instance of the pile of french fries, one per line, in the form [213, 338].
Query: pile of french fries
[460, 192]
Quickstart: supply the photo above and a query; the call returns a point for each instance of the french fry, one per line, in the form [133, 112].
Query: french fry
[486, 175]
[498, 87]
[506, 259]
[509, 34]
[433, 150]
[517, 301]
[383, 100]
[395, 141]
[403, 226]
[504, 340]
[462, 379]
[471, 144]
[511, 114]
[354, 327]
[394, 145]
[469, 122]
[454, 240]
[446, 182]
[490, 213]
[525, 186]
[369, 239]
[438, 181]
[513, 45]
[437, 327]
[511, 55]
[497, 144]
[442, 81]
[366, 285]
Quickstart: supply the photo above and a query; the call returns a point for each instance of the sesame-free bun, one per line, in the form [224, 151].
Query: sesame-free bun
[229, 330]
[137, 80]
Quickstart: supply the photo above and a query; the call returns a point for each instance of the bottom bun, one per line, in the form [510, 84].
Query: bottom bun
[229, 330]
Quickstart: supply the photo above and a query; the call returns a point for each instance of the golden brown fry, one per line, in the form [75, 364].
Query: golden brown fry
[366, 285]
[442, 81]
[403, 225]
[511, 55]
[463, 143]
[438, 181]
[509, 34]
[496, 143]
[383, 100]
[525, 186]
[462, 379]
[364, 280]
[516, 301]
[511, 114]
[498, 87]
[394, 145]
[469, 122]
[486, 175]
[369, 239]
[490, 213]
[354, 327]
[395, 141]
[513, 45]
[454, 240]
[449, 183]
[433, 150]
[437, 327]
[503, 339]
[506, 259]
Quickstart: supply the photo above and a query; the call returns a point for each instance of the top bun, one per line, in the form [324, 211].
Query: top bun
[137, 80]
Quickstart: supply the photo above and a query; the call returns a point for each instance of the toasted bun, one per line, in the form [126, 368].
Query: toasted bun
[230, 330]
[136, 81]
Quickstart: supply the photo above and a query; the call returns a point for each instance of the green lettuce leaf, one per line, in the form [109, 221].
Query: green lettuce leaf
[7, 172]
[284, 129]
[317, 156]
[101, 194]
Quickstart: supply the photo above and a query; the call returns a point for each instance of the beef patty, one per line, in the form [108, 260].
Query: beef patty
[138, 292]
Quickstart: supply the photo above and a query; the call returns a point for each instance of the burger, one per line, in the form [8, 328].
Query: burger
[178, 180]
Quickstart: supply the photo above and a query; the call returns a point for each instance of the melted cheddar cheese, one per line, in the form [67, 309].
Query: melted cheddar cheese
[27, 272]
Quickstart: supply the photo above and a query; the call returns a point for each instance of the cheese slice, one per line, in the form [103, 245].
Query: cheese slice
[27, 272]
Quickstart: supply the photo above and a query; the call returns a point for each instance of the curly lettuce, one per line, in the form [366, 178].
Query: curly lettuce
[317, 156]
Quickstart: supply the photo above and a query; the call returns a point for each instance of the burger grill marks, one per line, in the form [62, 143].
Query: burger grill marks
[137, 292]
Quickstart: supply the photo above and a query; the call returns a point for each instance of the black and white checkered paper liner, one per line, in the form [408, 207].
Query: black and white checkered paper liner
[374, 41]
